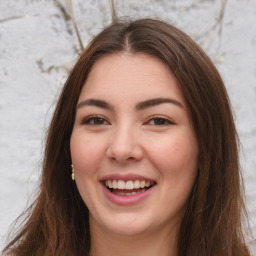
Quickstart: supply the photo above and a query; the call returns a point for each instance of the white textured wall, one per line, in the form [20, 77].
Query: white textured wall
[38, 45]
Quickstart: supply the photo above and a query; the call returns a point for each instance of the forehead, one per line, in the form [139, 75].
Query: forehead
[136, 75]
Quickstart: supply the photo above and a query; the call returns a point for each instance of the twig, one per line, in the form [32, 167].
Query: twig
[113, 11]
[220, 19]
[66, 16]
[75, 25]
[219, 22]
[16, 17]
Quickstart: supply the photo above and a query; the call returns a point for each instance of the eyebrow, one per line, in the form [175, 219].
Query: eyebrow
[140, 106]
[157, 101]
[97, 103]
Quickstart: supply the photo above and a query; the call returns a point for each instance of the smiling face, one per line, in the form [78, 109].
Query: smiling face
[133, 149]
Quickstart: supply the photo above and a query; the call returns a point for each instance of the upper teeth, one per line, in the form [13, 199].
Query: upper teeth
[130, 184]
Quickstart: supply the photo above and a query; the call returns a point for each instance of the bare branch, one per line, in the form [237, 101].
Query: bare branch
[221, 15]
[75, 25]
[218, 23]
[65, 15]
[113, 11]
[16, 17]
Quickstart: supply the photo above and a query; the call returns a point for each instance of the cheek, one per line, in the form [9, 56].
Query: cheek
[176, 159]
[86, 153]
[176, 155]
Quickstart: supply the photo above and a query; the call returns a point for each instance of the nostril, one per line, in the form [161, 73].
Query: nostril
[124, 150]
[130, 158]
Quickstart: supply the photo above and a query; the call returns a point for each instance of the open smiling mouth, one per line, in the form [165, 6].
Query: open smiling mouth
[128, 188]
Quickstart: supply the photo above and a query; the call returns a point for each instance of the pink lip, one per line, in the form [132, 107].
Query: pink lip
[126, 200]
[124, 177]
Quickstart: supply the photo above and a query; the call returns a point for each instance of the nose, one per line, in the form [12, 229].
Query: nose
[124, 146]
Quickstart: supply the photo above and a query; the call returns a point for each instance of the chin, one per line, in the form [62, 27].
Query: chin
[131, 224]
[124, 224]
[130, 230]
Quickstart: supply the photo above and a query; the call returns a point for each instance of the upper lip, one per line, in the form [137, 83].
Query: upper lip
[125, 177]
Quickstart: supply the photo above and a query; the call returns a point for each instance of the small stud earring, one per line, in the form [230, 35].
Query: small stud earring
[72, 174]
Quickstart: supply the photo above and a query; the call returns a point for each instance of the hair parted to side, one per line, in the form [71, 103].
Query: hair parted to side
[212, 224]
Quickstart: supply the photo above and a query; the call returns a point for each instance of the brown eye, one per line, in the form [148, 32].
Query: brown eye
[95, 120]
[159, 121]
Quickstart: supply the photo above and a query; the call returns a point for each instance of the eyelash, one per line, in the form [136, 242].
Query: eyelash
[92, 120]
[161, 119]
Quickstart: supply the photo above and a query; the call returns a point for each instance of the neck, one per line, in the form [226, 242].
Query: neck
[162, 243]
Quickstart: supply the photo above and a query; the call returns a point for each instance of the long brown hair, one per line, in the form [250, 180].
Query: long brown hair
[57, 222]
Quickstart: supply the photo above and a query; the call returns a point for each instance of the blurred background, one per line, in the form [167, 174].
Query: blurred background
[39, 44]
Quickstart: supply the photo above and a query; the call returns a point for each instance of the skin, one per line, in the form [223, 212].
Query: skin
[155, 141]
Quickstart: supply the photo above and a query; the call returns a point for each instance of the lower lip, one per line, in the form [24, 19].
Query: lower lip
[127, 200]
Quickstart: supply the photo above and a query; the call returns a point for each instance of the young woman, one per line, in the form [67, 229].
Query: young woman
[141, 156]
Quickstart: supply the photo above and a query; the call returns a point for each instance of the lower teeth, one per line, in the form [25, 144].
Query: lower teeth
[128, 193]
